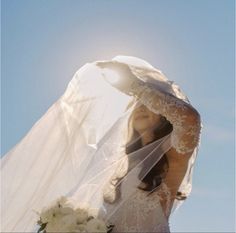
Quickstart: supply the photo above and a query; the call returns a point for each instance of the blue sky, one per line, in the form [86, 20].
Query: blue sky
[192, 42]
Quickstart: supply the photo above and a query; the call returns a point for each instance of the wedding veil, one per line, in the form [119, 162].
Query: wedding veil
[77, 146]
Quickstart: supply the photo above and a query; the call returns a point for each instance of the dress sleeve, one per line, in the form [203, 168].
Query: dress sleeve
[184, 118]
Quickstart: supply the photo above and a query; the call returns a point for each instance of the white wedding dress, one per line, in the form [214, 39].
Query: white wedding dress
[87, 135]
[142, 213]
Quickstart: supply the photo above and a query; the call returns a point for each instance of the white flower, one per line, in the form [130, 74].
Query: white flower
[80, 228]
[93, 212]
[66, 210]
[69, 220]
[81, 215]
[62, 223]
[48, 214]
[83, 205]
[62, 216]
[96, 225]
[61, 201]
[53, 226]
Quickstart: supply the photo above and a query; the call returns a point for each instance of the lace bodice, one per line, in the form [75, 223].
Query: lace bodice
[184, 118]
[142, 212]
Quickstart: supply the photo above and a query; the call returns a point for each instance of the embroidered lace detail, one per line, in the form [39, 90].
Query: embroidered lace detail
[185, 136]
[142, 213]
[164, 191]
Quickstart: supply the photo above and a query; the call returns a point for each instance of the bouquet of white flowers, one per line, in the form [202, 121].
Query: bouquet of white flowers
[62, 217]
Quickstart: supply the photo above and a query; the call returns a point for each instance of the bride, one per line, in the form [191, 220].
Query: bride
[132, 164]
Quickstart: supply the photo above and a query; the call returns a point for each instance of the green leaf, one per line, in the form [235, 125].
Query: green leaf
[110, 228]
[42, 227]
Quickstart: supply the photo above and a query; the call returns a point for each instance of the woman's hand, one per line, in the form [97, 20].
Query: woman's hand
[119, 75]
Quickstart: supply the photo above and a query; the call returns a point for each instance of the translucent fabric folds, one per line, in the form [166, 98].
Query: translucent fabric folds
[76, 148]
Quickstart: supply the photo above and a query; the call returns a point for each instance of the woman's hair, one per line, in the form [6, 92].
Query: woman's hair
[155, 176]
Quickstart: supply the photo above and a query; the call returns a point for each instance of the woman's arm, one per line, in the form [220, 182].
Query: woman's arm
[177, 169]
[184, 118]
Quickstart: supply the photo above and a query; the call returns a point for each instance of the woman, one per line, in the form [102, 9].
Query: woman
[76, 146]
[169, 171]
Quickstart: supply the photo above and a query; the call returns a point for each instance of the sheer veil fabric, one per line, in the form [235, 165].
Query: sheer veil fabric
[78, 144]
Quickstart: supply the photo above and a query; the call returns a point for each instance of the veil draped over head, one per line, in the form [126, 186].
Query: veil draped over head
[77, 146]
